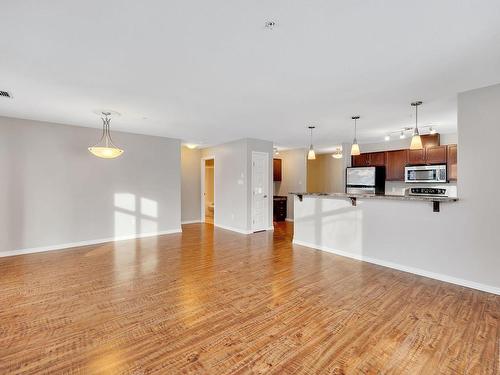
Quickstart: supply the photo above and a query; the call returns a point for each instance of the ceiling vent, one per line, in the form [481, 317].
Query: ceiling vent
[5, 94]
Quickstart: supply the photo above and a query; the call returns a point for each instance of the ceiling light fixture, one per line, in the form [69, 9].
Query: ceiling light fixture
[276, 151]
[355, 147]
[311, 155]
[337, 154]
[416, 141]
[191, 146]
[387, 138]
[105, 148]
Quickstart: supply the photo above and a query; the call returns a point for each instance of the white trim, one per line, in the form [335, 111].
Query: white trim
[416, 271]
[190, 221]
[202, 183]
[288, 219]
[271, 228]
[234, 229]
[84, 243]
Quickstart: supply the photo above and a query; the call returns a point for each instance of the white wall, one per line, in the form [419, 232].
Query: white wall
[54, 192]
[294, 176]
[325, 174]
[190, 187]
[460, 244]
[232, 196]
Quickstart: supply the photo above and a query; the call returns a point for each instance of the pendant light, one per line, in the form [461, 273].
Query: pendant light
[311, 155]
[355, 147]
[416, 141]
[337, 154]
[105, 148]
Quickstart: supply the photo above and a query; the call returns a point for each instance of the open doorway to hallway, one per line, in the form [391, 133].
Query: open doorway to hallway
[208, 191]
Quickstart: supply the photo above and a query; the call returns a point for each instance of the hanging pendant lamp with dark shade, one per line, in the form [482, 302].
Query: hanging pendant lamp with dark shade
[416, 141]
[311, 155]
[105, 148]
[355, 147]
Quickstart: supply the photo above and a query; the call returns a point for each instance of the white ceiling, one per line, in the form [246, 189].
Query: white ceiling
[209, 71]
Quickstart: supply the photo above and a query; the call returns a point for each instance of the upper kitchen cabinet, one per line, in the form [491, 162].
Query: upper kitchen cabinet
[436, 155]
[416, 157]
[360, 160]
[452, 162]
[396, 163]
[376, 159]
[430, 140]
[369, 159]
[276, 169]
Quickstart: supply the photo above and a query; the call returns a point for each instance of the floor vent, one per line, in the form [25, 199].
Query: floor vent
[5, 94]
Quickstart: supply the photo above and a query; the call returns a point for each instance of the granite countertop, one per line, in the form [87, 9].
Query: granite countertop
[381, 196]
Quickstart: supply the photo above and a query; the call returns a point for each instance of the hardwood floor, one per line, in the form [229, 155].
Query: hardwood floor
[215, 302]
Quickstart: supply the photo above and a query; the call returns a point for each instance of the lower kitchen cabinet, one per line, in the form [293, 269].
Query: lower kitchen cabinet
[279, 208]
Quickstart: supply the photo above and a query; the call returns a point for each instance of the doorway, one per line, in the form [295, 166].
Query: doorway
[208, 191]
[260, 191]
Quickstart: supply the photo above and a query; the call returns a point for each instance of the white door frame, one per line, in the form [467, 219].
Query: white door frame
[267, 225]
[202, 208]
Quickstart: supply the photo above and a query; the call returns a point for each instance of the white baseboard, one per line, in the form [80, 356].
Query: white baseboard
[190, 222]
[238, 230]
[399, 267]
[288, 219]
[85, 243]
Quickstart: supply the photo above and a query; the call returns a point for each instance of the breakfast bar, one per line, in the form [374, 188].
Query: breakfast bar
[389, 230]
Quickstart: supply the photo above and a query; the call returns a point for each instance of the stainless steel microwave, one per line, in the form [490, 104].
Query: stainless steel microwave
[426, 173]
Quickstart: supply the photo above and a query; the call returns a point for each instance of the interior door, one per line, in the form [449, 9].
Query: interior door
[260, 191]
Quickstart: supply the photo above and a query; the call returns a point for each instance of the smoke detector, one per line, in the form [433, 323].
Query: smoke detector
[270, 25]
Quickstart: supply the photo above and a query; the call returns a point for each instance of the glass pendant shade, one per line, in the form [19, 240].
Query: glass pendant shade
[416, 141]
[105, 148]
[311, 155]
[355, 149]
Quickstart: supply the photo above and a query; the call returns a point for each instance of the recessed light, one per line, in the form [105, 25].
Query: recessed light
[191, 146]
[387, 137]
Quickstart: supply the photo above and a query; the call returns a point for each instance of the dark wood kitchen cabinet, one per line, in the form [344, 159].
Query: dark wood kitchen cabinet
[369, 159]
[396, 163]
[376, 159]
[276, 169]
[279, 208]
[416, 157]
[435, 155]
[360, 160]
[452, 162]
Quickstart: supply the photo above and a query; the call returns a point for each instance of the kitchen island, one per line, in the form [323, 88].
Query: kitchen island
[400, 232]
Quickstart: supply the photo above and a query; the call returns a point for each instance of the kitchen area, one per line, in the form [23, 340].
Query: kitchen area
[390, 169]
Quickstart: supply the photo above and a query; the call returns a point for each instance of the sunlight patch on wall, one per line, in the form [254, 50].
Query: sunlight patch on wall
[149, 207]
